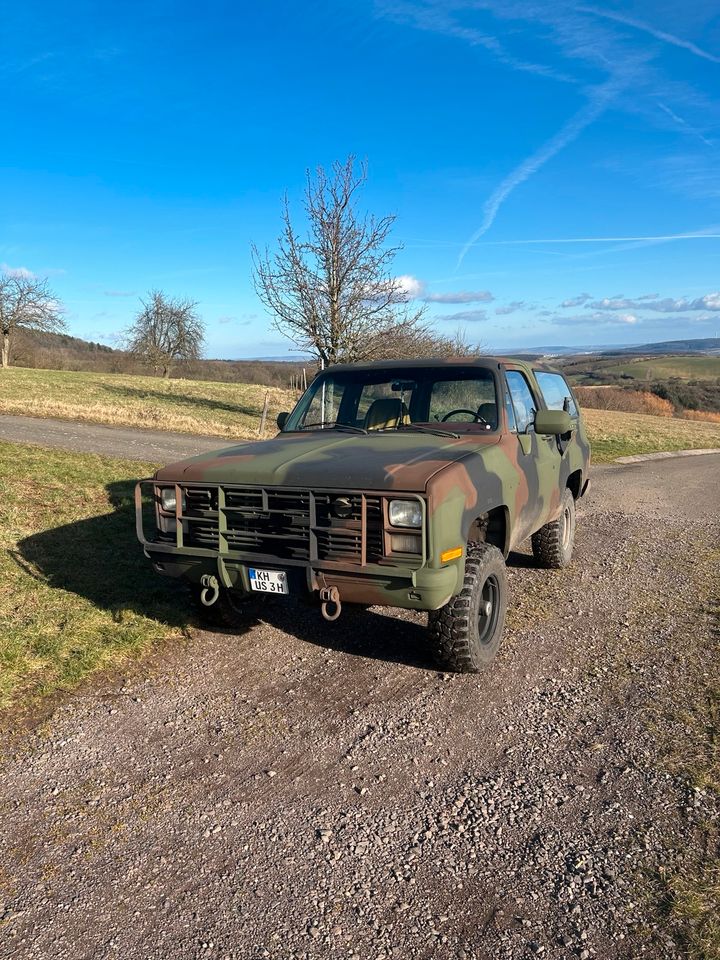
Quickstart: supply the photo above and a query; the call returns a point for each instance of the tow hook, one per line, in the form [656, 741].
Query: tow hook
[331, 607]
[211, 589]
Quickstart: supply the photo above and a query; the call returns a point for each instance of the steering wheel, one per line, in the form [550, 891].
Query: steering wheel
[473, 413]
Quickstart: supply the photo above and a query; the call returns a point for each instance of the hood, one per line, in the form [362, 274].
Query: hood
[331, 459]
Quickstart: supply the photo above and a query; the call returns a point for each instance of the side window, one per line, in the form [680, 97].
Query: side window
[510, 412]
[556, 392]
[522, 400]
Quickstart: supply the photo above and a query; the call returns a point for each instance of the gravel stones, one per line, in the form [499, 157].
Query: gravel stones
[247, 799]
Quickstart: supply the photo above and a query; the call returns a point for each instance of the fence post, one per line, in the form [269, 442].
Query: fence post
[263, 418]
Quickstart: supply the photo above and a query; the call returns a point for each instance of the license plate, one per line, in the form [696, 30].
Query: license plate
[268, 581]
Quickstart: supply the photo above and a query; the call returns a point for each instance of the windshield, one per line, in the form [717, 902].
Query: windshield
[444, 398]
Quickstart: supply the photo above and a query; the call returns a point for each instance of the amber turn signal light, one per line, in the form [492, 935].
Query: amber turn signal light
[450, 554]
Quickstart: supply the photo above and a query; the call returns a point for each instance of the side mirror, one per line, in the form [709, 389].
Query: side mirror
[282, 420]
[553, 422]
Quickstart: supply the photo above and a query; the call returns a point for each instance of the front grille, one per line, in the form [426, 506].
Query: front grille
[284, 524]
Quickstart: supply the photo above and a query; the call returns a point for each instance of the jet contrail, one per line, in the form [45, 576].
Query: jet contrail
[683, 123]
[646, 28]
[572, 129]
[669, 236]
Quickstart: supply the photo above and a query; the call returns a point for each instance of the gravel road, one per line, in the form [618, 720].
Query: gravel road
[308, 790]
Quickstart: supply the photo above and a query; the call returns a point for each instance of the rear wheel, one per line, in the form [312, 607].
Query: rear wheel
[230, 609]
[466, 632]
[553, 544]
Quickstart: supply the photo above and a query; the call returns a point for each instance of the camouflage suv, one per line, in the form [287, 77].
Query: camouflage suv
[404, 484]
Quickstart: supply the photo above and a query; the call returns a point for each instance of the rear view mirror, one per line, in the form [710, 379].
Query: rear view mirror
[553, 422]
[282, 420]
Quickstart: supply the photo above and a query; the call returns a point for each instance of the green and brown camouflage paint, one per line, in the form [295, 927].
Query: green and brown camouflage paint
[515, 479]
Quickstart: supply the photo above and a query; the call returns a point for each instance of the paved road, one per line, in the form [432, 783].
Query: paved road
[298, 789]
[131, 443]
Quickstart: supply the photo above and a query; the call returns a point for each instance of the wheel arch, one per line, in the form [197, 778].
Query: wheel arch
[493, 527]
[575, 483]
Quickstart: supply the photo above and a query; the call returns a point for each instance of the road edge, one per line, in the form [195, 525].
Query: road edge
[642, 457]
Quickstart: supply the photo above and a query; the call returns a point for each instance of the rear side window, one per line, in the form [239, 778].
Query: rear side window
[556, 392]
[523, 402]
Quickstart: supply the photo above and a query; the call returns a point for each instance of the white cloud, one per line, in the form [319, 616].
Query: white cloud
[460, 296]
[466, 316]
[509, 308]
[577, 301]
[17, 271]
[597, 318]
[410, 286]
[710, 301]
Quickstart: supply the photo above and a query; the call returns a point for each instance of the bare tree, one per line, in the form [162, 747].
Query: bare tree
[25, 302]
[167, 330]
[333, 292]
[420, 340]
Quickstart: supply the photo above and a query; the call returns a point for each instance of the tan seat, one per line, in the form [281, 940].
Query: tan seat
[488, 412]
[386, 413]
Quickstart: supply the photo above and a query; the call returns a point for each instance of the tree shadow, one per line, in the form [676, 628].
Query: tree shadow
[101, 560]
[183, 399]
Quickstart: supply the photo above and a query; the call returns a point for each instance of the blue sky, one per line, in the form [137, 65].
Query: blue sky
[554, 167]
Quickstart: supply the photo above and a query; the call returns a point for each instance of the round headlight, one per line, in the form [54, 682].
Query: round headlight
[405, 513]
[168, 500]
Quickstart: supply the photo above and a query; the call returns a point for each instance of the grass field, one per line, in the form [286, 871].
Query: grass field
[662, 368]
[75, 595]
[644, 369]
[614, 434]
[185, 406]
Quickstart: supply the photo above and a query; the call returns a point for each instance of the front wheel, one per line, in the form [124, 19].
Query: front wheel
[465, 634]
[553, 544]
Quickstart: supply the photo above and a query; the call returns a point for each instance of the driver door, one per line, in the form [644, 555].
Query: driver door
[538, 456]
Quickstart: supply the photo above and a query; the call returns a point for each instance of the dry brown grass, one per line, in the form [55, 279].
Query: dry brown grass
[183, 406]
[706, 415]
[627, 401]
[614, 434]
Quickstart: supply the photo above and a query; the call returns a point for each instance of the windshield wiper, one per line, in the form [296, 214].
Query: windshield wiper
[421, 428]
[334, 425]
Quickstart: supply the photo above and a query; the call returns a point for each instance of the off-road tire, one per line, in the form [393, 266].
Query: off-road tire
[553, 544]
[229, 610]
[463, 638]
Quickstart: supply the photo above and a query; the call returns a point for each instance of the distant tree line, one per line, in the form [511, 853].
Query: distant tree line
[63, 352]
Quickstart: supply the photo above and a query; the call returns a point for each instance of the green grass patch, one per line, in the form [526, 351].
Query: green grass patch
[185, 406]
[691, 895]
[76, 593]
[693, 908]
[664, 367]
[613, 434]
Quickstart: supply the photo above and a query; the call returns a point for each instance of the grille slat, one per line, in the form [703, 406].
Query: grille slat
[277, 523]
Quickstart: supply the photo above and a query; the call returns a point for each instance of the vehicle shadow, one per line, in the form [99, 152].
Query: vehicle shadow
[183, 399]
[524, 561]
[372, 633]
[101, 560]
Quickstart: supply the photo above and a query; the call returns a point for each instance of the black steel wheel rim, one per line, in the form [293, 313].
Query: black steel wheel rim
[489, 609]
